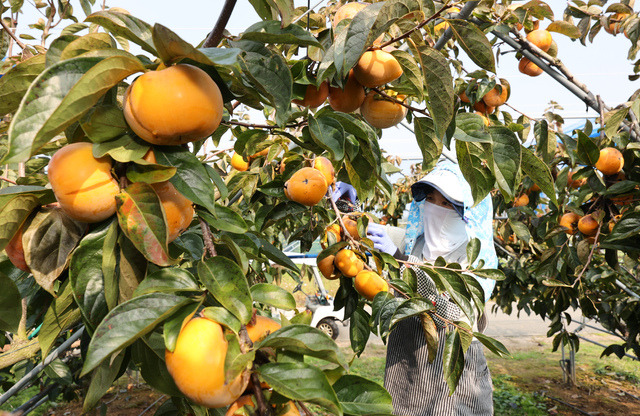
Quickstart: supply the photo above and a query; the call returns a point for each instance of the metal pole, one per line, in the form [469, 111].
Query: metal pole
[54, 354]
[464, 13]
[604, 346]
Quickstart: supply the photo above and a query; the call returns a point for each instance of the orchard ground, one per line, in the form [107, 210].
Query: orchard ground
[529, 382]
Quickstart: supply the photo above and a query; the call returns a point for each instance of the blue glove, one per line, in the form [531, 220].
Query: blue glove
[381, 240]
[344, 189]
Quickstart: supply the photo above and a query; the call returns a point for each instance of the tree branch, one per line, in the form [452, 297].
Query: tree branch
[208, 238]
[13, 35]
[215, 36]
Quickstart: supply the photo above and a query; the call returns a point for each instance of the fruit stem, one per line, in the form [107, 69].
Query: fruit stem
[263, 409]
[208, 237]
[215, 36]
[2, 178]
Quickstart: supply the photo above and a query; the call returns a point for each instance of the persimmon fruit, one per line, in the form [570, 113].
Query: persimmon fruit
[327, 268]
[521, 201]
[83, 184]
[15, 252]
[614, 23]
[376, 68]
[541, 38]
[588, 225]
[174, 105]
[325, 167]
[348, 262]
[350, 98]
[314, 96]
[495, 98]
[610, 161]
[529, 68]
[575, 183]
[260, 327]
[569, 220]
[382, 113]
[177, 208]
[348, 11]
[238, 162]
[197, 365]
[369, 284]
[483, 108]
[307, 186]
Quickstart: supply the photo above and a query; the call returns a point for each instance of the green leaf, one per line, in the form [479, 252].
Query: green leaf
[431, 334]
[565, 28]
[62, 314]
[383, 308]
[545, 145]
[174, 324]
[222, 56]
[129, 321]
[506, 157]
[270, 31]
[127, 26]
[110, 265]
[59, 372]
[359, 330]
[85, 275]
[148, 355]
[588, 151]
[474, 42]
[430, 145]
[300, 381]
[304, 339]
[276, 255]
[224, 219]
[437, 75]
[471, 161]
[191, 179]
[273, 295]
[452, 360]
[493, 345]
[167, 280]
[142, 220]
[470, 128]
[48, 242]
[359, 396]
[409, 308]
[223, 317]
[15, 83]
[328, 134]
[10, 305]
[228, 285]
[105, 122]
[150, 173]
[453, 283]
[83, 44]
[493, 274]
[56, 48]
[71, 88]
[473, 249]
[411, 72]
[101, 381]
[613, 121]
[14, 210]
[539, 172]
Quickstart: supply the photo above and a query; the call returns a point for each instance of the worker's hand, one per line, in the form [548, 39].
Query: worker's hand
[344, 191]
[381, 240]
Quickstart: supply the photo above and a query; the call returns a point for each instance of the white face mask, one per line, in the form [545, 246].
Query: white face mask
[444, 234]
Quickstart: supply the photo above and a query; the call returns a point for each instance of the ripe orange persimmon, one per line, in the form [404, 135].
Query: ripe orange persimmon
[494, 98]
[347, 12]
[529, 68]
[348, 99]
[15, 252]
[178, 210]
[483, 108]
[172, 106]
[534, 188]
[197, 365]
[575, 183]
[348, 262]
[327, 268]
[588, 225]
[332, 235]
[614, 23]
[369, 284]
[351, 224]
[249, 401]
[521, 201]
[382, 113]
[238, 162]
[262, 327]
[307, 186]
[83, 184]
[324, 165]
[610, 161]
[444, 25]
[541, 38]
[569, 221]
[614, 221]
[485, 119]
[314, 96]
[377, 67]
[464, 98]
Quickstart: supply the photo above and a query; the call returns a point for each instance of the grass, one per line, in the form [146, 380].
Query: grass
[22, 397]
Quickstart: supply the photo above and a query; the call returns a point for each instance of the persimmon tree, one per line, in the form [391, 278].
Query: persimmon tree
[132, 291]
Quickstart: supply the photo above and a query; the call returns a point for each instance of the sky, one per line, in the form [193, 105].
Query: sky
[602, 66]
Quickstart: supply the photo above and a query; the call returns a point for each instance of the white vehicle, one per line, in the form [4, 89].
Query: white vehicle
[320, 303]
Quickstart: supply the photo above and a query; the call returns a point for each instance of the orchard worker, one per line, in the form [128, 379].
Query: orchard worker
[442, 220]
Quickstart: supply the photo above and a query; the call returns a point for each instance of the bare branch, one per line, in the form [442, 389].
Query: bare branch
[208, 238]
[13, 35]
[215, 36]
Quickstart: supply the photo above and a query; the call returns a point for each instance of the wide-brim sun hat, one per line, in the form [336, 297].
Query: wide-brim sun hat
[446, 182]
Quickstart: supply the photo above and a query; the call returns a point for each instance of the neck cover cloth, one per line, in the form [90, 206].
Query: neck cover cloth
[478, 221]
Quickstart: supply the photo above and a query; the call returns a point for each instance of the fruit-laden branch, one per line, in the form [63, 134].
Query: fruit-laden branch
[264, 126]
[13, 35]
[402, 103]
[215, 36]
